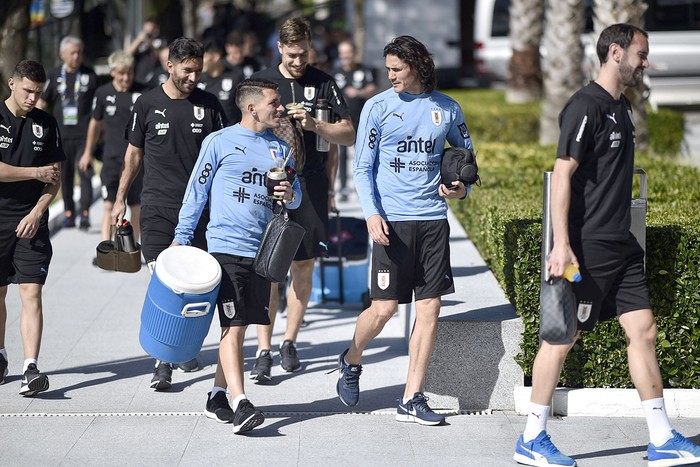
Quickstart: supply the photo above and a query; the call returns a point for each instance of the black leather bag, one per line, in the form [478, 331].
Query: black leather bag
[558, 323]
[278, 246]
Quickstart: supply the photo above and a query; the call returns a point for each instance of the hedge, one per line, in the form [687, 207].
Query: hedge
[503, 219]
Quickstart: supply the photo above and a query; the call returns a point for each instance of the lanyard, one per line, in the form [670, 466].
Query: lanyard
[62, 85]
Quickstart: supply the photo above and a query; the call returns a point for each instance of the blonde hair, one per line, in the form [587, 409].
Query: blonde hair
[120, 58]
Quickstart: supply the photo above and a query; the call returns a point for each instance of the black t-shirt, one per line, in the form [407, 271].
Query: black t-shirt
[598, 131]
[171, 131]
[314, 85]
[26, 142]
[359, 77]
[224, 88]
[113, 108]
[60, 92]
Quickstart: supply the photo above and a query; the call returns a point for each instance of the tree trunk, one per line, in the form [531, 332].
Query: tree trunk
[607, 13]
[525, 74]
[359, 35]
[14, 27]
[561, 62]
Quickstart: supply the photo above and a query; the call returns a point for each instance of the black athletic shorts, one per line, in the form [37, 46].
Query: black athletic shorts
[612, 280]
[312, 214]
[416, 260]
[158, 231]
[244, 296]
[24, 260]
[109, 175]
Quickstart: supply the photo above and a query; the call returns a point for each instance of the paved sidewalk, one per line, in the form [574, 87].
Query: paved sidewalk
[100, 410]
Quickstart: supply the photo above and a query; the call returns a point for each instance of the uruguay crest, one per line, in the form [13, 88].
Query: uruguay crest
[198, 112]
[38, 130]
[309, 92]
[229, 309]
[383, 280]
[436, 116]
[226, 84]
[584, 311]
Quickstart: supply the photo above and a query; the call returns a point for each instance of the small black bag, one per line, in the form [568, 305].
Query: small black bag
[278, 246]
[558, 323]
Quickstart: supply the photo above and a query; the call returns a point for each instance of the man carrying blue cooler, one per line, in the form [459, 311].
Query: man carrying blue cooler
[229, 175]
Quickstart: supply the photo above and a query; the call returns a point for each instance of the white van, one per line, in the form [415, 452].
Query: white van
[674, 43]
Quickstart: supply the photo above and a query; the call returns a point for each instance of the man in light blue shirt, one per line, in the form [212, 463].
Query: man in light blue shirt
[230, 175]
[400, 140]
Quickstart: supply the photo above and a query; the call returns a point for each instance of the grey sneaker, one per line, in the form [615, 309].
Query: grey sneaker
[262, 370]
[3, 369]
[189, 366]
[246, 417]
[162, 376]
[289, 358]
[33, 382]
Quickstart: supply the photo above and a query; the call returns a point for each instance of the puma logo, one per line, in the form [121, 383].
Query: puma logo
[161, 112]
[397, 115]
[533, 413]
[6, 128]
[611, 117]
[111, 99]
[240, 149]
[657, 408]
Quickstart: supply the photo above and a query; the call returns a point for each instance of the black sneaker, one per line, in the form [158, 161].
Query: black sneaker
[288, 355]
[262, 370]
[189, 366]
[218, 408]
[348, 386]
[246, 417]
[417, 411]
[162, 376]
[69, 220]
[84, 221]
[3, 369]
[33, 382]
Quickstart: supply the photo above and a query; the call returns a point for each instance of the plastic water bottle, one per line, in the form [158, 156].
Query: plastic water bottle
[572, 274]
[323, 114]
[126, 237]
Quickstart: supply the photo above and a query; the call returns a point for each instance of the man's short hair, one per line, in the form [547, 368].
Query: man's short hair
[411, 51]
[295, 30]
[30, 69]
[621, 34]
[213, 47]
[183, 49]
[250, 89]
[70, 40]
[119, 59]
[236, 38]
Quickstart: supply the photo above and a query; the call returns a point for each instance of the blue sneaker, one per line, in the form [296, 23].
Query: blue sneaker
[348, 387]
[417, 411]
[540, 452]
[675, 451]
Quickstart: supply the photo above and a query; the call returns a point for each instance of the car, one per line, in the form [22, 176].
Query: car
[674, 43]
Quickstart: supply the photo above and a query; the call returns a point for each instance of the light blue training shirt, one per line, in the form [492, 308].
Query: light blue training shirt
[230, 174]
[398, 151]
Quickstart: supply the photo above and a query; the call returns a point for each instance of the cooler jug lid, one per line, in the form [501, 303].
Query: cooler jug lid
[187, 269]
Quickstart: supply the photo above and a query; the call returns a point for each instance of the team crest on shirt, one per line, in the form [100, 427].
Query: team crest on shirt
[198, 112]
[383, 279]
[463, 130]
[309, 92]
[38, 130]
[436, 116]
[584, 311]
[229, 309]
[226, 84]
[84, 80]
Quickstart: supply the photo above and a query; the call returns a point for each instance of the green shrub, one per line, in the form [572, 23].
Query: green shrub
[503, 219]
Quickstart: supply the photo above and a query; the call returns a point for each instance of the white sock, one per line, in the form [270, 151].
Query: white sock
[259, 352]
[536, 421]
[215, 390]
[236, 401]
[28, 362]
[657, 421]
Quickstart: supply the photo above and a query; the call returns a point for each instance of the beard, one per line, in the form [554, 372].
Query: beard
[629, 75]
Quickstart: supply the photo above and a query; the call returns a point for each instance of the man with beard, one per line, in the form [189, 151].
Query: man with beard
[591, 198]
[304, 85]
[165, 132]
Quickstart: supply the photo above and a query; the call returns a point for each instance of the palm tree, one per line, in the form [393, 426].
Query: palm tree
[525, 75]
[14, 26]
[607, 13]
[561, 62]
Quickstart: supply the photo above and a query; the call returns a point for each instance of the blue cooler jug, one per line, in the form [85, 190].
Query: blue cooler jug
[179, 305]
